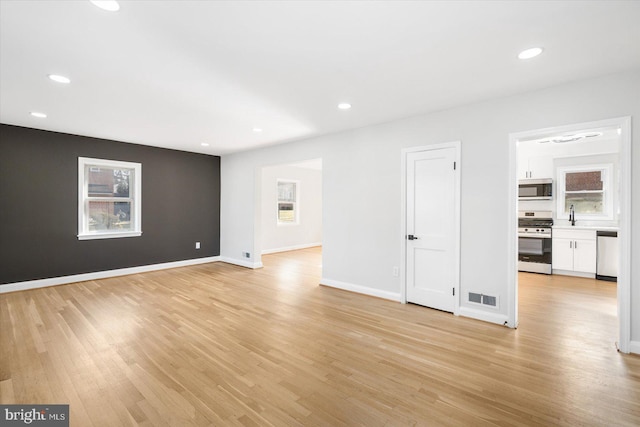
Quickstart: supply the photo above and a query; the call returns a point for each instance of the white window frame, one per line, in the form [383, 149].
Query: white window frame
[296, 203]
[135, 197]
[606, 171]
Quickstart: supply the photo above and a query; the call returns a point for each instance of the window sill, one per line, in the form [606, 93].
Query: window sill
[93, 236]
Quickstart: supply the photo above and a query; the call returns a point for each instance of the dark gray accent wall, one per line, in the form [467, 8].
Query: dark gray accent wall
[39, 206]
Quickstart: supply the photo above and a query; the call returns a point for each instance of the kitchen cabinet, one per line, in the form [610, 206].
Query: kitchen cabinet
[536, 167]
[574, 251]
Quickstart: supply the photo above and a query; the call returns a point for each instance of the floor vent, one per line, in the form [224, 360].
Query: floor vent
[489, 300]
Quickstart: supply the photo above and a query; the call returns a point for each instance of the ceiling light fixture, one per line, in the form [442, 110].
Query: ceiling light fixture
[60, 79]
[204, 144]
[566, 138]
[530, 53]
[38, 114]
[108, 5]
[257, 129]
[344, 106]
[589, 134]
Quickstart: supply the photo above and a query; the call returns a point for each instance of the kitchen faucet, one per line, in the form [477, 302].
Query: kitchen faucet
[572, 215]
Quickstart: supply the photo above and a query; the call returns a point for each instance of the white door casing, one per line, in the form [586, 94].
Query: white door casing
[431, 227]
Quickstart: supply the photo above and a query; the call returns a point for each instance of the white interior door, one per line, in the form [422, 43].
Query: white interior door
[430, 226]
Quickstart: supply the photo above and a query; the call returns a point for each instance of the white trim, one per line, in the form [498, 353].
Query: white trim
[109, 235]
[241, 263]
[634, 347]
[512, 235]
[574, 273]
[456, 145]
[497, 318]
[624, 238]
[63, 280]
[135, 199]
[359, 289]
[624, 235]
[291, 248]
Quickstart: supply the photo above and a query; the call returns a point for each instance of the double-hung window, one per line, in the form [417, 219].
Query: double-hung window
[109, 194]
[588, 189]
[288, 209]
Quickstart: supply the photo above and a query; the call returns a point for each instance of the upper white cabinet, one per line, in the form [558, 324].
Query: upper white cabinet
[541, 167]
[535, 167]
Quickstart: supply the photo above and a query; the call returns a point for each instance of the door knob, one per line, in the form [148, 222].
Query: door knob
[412, 237]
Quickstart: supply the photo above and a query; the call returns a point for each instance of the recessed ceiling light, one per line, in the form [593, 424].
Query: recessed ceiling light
[530, 53]
[204, 144]
[344, 106]
[60, 79]
[38, 114]
[109, 5]
[257, 129]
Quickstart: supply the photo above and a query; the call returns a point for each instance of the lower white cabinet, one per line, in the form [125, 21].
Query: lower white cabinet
[574, 251]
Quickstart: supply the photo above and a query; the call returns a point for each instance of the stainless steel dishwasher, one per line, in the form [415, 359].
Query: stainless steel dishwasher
[607, 260]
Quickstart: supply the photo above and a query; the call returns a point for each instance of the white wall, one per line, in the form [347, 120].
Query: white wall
[361, 184]
[308, 230]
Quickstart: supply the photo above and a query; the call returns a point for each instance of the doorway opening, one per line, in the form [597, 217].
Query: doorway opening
[290, 206]
[587, 167]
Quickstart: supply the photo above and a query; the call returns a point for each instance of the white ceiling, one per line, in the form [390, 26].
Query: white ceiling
[180, 73]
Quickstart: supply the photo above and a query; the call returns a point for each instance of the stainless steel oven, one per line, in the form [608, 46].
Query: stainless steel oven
[534, 241]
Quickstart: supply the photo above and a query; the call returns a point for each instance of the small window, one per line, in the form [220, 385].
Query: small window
[587, 189]
[288, 202]
[109, 194]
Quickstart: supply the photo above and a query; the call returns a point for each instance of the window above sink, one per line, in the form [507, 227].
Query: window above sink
[589, 189]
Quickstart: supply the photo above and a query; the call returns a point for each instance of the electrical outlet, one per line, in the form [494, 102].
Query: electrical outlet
[396, 271]
[246, 254]
[197, 245]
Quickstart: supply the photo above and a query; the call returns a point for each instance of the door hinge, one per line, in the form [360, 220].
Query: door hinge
[454, 165]
[454, 292]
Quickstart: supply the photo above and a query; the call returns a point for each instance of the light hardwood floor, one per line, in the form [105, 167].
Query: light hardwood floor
[217, 344]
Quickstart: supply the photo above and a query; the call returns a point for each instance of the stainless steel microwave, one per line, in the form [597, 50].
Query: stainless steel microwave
[535, 189]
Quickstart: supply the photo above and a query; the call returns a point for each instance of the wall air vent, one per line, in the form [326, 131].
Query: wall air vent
[488, 300]
[477, 298]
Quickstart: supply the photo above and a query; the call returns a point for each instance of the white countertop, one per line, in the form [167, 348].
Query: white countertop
[586, 227]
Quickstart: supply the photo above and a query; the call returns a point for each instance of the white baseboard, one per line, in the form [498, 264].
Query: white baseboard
[63, 280]
[393, 296]
[291, 248]
[474, 313]
[634, 347]
[574, 273]
[241, 262]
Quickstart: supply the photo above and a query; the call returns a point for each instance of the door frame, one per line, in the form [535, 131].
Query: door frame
[624, 236]
[456, 145]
